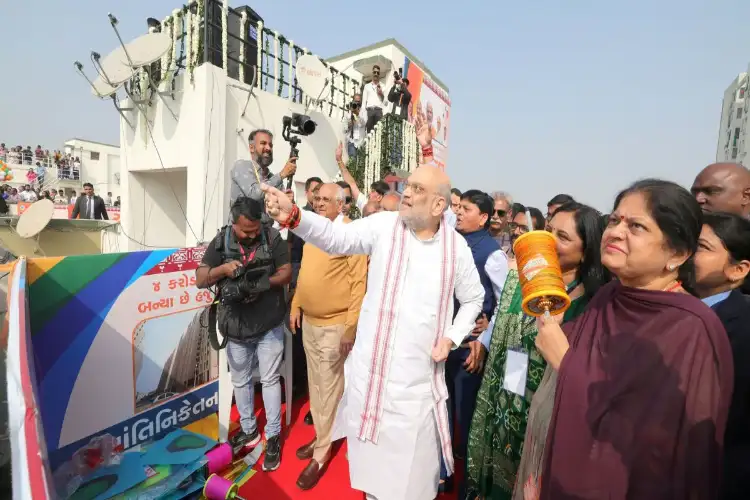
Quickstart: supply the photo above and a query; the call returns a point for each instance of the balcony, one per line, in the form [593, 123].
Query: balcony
[54, 177]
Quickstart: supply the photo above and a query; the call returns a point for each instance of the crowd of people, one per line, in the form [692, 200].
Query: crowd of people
[67, 166]
[418, 351]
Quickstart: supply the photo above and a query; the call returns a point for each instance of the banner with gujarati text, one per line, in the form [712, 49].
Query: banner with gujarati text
[121, 348]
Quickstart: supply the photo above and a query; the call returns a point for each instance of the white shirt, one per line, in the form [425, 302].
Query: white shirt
[370, 97]
[27, 196]
[89, 210]
[359, 129]
[496, 268]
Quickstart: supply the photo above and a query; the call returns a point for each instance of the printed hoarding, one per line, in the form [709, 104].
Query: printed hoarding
[430, 102]
[121, 348]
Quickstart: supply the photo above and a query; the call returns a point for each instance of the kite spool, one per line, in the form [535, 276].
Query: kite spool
[218, 488]
[219, 458]
[539, 273]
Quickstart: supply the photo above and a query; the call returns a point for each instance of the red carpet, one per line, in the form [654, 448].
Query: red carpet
[281, 484]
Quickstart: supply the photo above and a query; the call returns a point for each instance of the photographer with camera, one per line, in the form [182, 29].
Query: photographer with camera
[355, 127]
[244, 181]
[400, 96]
[374, 99]
[249, 263]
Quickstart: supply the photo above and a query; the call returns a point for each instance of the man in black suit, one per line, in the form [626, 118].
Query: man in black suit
[89, 205]
[400, 96]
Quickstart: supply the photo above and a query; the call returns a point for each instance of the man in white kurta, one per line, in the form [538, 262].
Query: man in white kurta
[394, 408]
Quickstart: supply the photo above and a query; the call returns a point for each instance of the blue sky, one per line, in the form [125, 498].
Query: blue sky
[547, 96]
[161, 336]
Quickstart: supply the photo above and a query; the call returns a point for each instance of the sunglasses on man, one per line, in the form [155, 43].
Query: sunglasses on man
[501, 213]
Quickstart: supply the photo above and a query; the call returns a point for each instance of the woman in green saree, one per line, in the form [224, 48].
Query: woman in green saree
[498, 428]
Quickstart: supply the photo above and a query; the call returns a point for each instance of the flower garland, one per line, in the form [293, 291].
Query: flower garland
[268, 65]
[243, 41]
[189, 42]
[224, 35]
[277, 56]
[292, 77]
[259, 43]
[176, 31]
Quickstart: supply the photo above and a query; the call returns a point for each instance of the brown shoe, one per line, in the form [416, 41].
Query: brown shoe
[310, 476]
[305, 452]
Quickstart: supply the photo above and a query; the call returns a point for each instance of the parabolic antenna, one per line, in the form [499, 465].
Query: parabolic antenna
[100, 88]
[145, 49]
[114, 72]
[35, 218]
[312, 77]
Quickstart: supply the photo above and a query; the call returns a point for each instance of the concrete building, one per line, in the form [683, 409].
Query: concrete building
[733, 129]
[429, 94]
[100, 165]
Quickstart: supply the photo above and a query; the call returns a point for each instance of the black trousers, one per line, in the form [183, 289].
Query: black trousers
[373, 117]
[463, 388]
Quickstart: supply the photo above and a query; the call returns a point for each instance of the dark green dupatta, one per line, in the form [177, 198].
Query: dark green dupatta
[498, 426]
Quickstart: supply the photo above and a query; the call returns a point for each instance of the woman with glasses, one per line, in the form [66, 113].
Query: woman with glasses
[498, 427]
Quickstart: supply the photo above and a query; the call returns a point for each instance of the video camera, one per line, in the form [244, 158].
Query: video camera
[293, 126]
[246, 284]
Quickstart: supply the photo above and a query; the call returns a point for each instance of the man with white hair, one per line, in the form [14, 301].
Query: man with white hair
[326, 306]
[500, 220]
[394, 410]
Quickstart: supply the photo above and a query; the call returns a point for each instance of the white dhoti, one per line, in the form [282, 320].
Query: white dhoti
[405, 461]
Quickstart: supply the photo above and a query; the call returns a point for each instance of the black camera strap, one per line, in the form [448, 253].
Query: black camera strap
[213, 337]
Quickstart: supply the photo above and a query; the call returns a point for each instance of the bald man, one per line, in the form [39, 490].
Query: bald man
[371, 207]
[390, 202]
[393, 412]
[723, 187]
[329, 326]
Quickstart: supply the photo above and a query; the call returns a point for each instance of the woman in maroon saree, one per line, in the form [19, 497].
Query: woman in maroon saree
[645, 373]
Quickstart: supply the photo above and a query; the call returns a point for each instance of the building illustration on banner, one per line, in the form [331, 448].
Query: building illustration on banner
[178, 357]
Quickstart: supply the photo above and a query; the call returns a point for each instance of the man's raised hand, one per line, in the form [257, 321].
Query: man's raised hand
[278, 204]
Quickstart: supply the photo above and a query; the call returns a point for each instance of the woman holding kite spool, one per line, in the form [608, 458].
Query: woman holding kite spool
[645, 373]
[557, 270]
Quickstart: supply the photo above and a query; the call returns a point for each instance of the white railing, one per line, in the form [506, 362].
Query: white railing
[26, 159]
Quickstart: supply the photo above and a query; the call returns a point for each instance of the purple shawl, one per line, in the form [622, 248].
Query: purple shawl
[642, 400]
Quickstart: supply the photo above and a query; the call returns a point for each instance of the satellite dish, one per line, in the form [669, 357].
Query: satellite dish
[100, 88]
[120, 65]
[35, 218]
[145, 49]
[113, 73]
[312, 77]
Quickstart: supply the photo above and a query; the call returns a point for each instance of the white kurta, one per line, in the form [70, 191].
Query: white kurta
[404, 463]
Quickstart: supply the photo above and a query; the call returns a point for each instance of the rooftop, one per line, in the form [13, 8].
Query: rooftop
[386, 43]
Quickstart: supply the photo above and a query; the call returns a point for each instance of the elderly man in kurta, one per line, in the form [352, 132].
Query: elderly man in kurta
[329, 296]
[393, 412]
